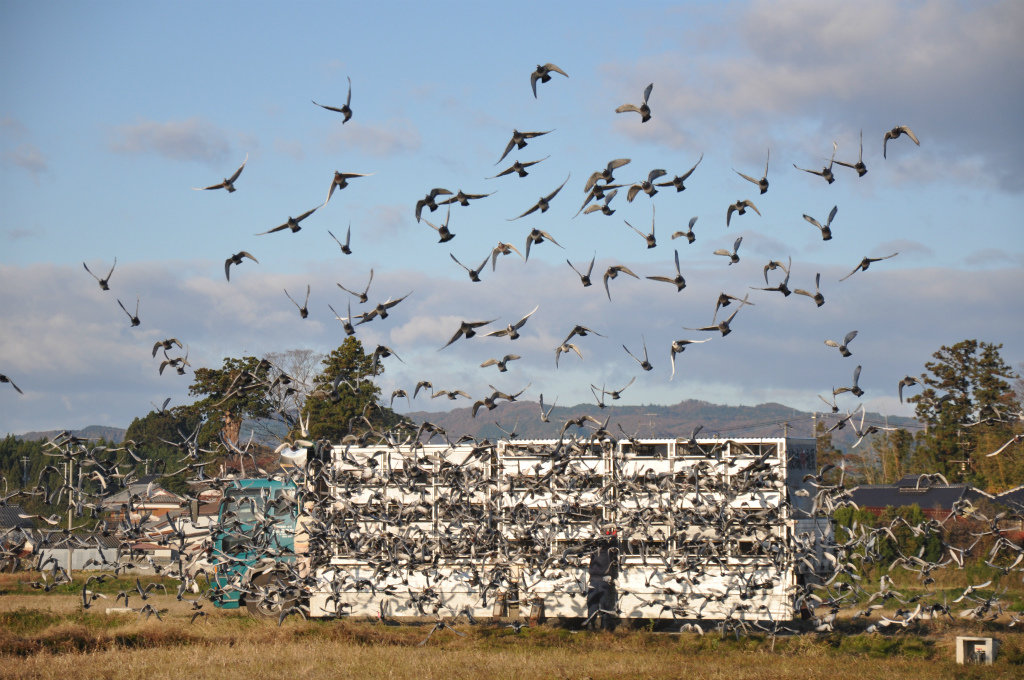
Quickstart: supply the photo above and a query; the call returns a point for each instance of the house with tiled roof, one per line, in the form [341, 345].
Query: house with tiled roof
[1013, 499]
[10, 518]
[141, 499]
[15, 537]
[935, 498]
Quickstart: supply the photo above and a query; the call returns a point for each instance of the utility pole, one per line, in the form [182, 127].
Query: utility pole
[24, 471]
[70, 478]
[650, 422]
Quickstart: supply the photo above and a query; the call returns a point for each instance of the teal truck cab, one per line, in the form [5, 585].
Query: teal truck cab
[253, 545]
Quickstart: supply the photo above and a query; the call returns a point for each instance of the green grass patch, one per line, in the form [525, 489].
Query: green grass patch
[880, 646]
[28, 621]
[151, 638]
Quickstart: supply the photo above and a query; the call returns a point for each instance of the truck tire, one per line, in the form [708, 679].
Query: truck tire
[277, 600]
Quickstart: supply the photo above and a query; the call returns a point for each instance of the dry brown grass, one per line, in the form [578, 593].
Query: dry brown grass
[48, 636]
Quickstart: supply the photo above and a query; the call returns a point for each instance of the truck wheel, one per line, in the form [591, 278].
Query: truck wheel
[276, 601]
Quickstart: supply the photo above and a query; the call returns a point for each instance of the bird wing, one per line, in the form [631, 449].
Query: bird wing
[626, 270]
[459, 263]
[293, 299]
[552, 67]
[535, 206]
[632, 355]
[814, 222]
[508, 148]
[519, 324]
[689, 172]
[550, 238]
[555, 192]
[634, 228]
[855, 270]
[212, 186]
[329, 108]
[239, 171]
[271, 231]
[458, 334]
[746, 177]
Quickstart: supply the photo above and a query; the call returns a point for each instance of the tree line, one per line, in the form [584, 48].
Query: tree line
[967, 408]
[964, 400]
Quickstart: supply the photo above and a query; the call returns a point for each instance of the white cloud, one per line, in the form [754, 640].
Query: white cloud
[193, 139]
[291, 148]
[20, 234]
[28, 157]
[388, 221]
[69, 340]
[792, 66]
[388, 138]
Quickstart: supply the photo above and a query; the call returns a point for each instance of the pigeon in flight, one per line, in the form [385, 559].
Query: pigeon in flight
[865, 263]
[644, 109]
[292, 222]
[236, 259]
[762, 183]
[519, 141]
[543, 74]
[104, 282]
[895, 133]
[229, 182]
[345, 109]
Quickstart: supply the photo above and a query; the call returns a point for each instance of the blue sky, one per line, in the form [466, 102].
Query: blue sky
[114, 111]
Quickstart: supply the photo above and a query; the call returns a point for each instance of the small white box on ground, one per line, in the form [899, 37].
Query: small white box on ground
[976, 650]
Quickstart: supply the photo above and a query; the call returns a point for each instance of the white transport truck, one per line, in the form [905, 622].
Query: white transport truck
[706, 528]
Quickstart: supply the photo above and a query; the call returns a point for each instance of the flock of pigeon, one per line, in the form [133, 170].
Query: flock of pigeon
[470, 504]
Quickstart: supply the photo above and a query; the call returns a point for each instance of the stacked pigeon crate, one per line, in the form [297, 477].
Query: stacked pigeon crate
[555, 500]
[381, 517]
[467, 570]
[728, 554]
[648, 500]
[706, 528]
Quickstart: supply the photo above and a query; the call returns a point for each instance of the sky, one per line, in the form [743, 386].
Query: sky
[114, 112]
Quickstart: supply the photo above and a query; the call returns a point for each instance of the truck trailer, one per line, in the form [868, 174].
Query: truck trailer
[705, 528]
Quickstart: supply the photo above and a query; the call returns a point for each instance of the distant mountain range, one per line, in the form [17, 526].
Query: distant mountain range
[648, 420]
[111, 434]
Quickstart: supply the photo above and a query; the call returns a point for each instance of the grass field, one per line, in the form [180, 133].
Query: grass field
[48, 635]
